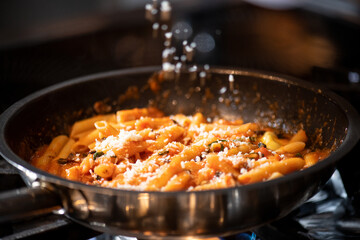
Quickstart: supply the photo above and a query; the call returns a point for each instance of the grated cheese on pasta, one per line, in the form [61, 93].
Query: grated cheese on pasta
[141, 149]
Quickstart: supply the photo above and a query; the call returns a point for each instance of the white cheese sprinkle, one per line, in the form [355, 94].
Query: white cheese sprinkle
[117, 142]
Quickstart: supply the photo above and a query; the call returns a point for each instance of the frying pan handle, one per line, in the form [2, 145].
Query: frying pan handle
[27, 202]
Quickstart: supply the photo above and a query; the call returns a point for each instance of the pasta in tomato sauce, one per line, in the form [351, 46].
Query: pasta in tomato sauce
[142, 149]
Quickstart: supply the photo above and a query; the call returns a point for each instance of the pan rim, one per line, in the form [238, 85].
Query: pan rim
[349, 142]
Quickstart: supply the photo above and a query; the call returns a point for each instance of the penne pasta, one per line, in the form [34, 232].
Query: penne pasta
[82, 144]
[300, 136]
[66, 149]
[88, 124]
[223, 181]
[264, 171]
[214, 162]
[51, 152]
[292, 147]
[104, 170]
[175, 163]
[79, 135]
[311, 159]
[178, 182]
[141, 149]
[105, 129]
[136, 113]
[169, 134]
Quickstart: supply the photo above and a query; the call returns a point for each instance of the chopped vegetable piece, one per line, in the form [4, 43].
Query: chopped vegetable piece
[270, 140]
[163, 152]
[97, 154]
[260, 145]
[221, 147]
[217, 141]
[63, 161]
[252, 139]
[265, 151]
[239, 139]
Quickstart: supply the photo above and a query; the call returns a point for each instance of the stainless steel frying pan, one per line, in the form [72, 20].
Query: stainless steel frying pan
[277, 100]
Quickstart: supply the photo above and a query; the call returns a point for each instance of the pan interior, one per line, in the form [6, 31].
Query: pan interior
[274, 101]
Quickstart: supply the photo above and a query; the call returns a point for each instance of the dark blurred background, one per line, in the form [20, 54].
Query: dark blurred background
[45, 42]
